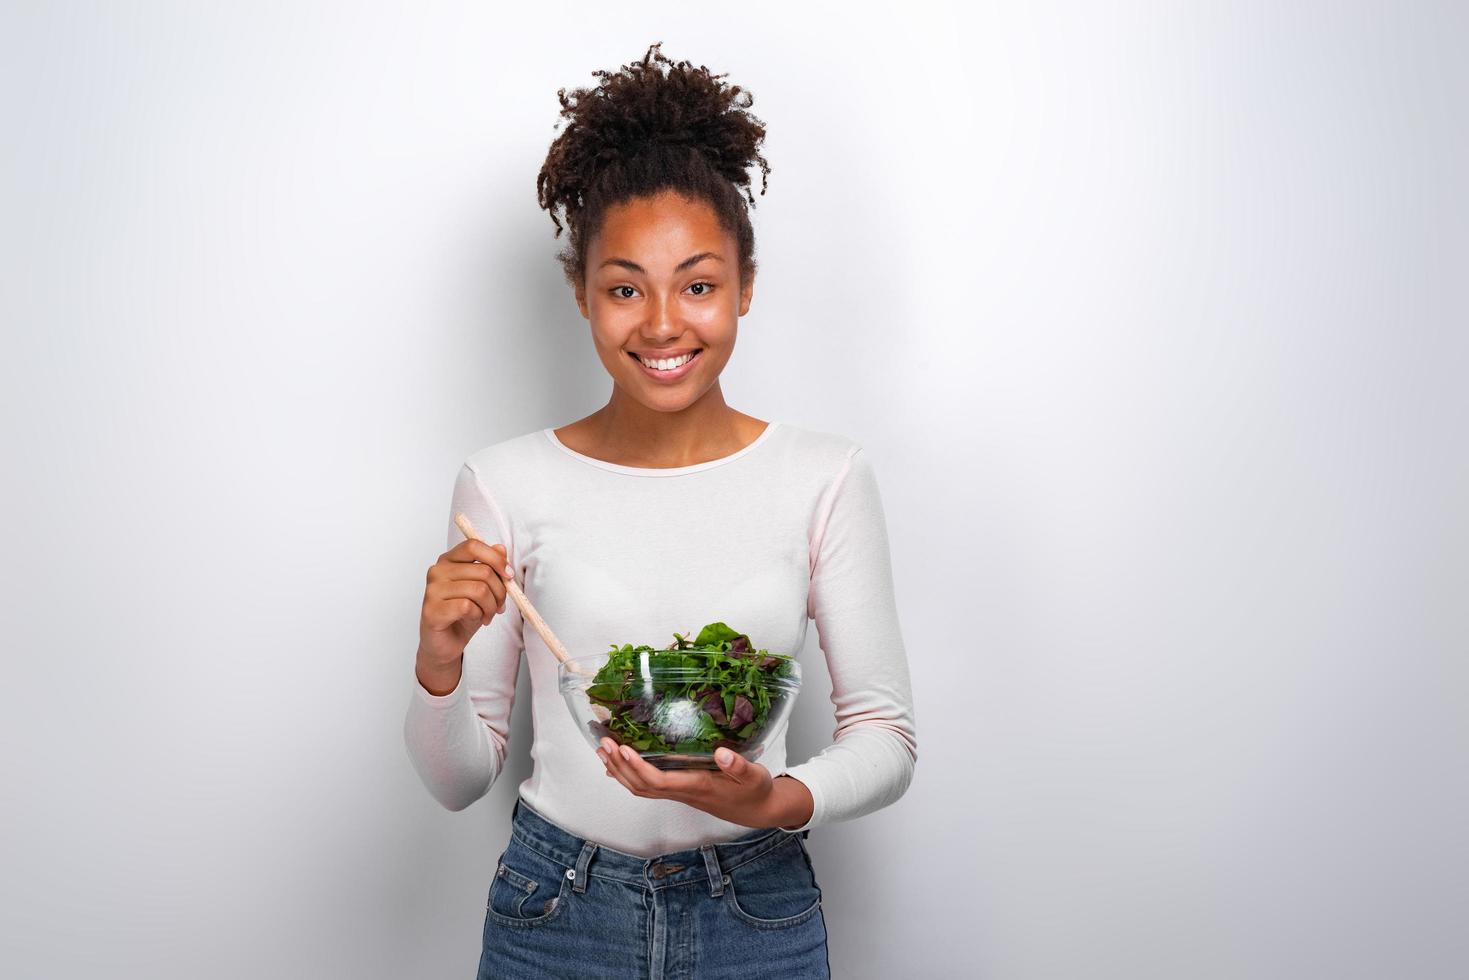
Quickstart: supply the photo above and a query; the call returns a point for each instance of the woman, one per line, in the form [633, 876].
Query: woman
[662, 511]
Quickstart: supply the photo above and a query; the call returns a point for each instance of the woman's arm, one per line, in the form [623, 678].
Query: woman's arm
[457, 741]
[870, 764]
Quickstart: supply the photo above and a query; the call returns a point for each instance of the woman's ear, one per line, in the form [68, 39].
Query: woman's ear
[747, 289]
[581, 301]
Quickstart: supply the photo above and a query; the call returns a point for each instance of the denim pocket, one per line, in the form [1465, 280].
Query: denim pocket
[529, 888]
[776, 890]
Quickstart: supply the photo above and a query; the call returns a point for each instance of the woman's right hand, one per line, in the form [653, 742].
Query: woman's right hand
[466, 590]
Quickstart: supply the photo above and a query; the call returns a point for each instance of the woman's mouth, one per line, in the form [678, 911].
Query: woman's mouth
[671, 373]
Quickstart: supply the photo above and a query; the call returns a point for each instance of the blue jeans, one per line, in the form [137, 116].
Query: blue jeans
[564, 906]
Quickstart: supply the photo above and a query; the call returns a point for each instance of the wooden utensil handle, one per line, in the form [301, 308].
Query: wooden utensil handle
[527, 611]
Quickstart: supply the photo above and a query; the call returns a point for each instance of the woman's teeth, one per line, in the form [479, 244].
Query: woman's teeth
[667, 364]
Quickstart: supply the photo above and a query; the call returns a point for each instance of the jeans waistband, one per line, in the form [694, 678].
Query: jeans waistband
[707, 862]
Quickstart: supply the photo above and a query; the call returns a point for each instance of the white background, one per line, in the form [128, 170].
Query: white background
[1152, 319]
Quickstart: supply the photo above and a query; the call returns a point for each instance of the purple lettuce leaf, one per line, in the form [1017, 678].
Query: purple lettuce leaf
[744, 712]
[711, 701]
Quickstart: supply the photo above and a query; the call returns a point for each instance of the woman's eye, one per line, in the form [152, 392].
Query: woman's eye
[617, 291]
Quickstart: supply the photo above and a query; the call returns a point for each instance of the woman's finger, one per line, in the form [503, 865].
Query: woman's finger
[478, 592]
[466, 572]
[470, 550]
[641, 773]
[608, 750]
[619, 773]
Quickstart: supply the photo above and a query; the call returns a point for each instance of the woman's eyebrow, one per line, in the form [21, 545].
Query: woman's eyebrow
[691, 260]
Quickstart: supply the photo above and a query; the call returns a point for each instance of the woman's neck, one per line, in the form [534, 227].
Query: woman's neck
[629, 433]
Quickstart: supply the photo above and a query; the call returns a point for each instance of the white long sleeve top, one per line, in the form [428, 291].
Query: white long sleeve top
[789, 528]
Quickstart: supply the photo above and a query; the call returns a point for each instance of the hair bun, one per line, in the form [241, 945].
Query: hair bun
[641, 109]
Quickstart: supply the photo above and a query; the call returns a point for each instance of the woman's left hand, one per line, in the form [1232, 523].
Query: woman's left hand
[741, 791]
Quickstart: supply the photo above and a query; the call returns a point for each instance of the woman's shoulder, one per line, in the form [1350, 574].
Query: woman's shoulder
[511, 455]
[818, 445]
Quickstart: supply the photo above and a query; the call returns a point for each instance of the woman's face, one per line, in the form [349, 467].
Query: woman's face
[663, 281]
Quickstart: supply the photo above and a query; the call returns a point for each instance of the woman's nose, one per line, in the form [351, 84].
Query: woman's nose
[663, 321]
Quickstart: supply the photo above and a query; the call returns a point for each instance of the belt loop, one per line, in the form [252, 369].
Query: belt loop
[711, 864]
[584, 859]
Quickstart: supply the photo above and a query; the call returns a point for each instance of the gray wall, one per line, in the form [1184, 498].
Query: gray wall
[1153, 321]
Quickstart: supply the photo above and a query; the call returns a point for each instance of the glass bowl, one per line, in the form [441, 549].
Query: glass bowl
[675, 707]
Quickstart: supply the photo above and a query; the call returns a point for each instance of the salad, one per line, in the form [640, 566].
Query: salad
[691, 697]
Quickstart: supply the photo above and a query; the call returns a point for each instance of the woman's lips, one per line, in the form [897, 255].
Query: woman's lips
[667, 376]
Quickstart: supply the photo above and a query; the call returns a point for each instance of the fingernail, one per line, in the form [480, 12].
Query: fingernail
[627, 753]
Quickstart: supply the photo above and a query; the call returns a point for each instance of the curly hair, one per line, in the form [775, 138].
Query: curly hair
[642, 130]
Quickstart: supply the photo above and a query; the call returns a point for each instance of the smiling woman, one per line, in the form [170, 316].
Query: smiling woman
[663, 509]
[663, 316]
[661, 256]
